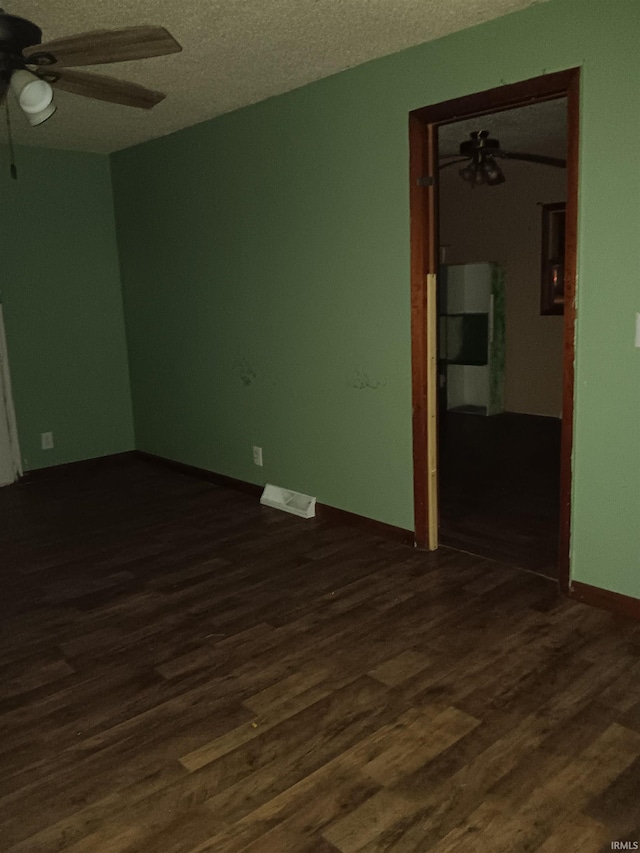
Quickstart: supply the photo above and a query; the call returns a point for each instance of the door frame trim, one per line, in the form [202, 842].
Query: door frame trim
[423, 200]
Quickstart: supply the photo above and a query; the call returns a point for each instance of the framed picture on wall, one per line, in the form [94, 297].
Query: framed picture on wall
[552, 271]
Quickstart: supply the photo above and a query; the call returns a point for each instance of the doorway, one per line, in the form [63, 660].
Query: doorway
[10, 465]
[500, 333]
[431, 421]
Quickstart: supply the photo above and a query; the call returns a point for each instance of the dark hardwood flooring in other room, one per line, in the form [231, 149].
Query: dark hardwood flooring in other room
[183, 670]
[500, 488]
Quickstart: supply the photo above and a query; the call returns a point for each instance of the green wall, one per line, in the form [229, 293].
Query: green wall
[60, 288]
[265, 271]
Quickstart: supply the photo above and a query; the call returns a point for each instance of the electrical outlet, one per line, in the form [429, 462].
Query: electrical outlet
[46, 439]
[257, 456]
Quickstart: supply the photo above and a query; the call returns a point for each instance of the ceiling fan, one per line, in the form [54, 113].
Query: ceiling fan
[31, 68]
[480, 153]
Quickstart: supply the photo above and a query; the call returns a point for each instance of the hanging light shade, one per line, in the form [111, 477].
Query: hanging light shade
[493, 172]
[39, 118]
[34, 95]
[467, 173]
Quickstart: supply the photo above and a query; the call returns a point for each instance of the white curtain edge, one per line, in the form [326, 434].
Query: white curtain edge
[12, 424]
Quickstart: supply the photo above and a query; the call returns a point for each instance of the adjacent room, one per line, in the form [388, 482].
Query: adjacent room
[208, 288]
[502, 336]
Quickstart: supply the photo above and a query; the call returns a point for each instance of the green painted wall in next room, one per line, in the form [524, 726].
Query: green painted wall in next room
[60, 290]
[265, 273]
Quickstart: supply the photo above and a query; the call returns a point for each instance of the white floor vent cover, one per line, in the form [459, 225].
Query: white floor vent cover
[289, 501]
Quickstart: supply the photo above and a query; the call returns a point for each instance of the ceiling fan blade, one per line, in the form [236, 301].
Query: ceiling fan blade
[453, 162]
[102, 88]
[531, 158]
[103, 46]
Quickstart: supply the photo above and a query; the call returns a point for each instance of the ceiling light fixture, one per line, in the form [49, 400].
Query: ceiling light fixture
[479, 154]
[40, 117]
[35, 96]
[483, 169]
[493, 172]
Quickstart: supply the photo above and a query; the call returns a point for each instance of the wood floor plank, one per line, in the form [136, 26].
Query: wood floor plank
[421, 741]
[401, 667]
[195, 672]
[515, 824]
[353, 831]
[577, 834]
[31, 676]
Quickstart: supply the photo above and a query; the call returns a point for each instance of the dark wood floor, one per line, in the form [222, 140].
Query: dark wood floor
[500, 488]
[184, 670]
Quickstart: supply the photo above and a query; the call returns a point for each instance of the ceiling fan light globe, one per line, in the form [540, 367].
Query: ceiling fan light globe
[493, 172]
[36, 119]
[34, 95]
[467, 173]
[497, 179]
[490, 167]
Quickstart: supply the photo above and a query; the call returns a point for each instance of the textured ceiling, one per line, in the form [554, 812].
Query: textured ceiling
[234, 53]
[534, 129]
